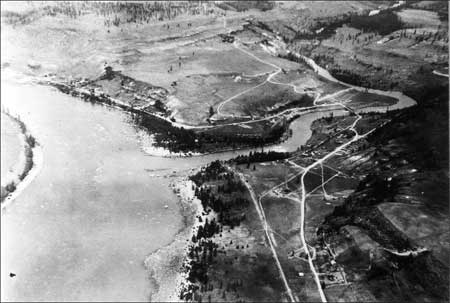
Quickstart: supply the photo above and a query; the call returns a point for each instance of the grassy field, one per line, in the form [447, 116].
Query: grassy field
[419, 18]
[195, 94]
[266, 175]
[266, 98]
[306, 81]
[390, 50]
[420, 226]
[184, 56]
[242, 267]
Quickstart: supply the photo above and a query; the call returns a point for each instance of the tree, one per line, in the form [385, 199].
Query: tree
[211, 111]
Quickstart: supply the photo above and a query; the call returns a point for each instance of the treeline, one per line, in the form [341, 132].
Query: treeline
[440, 7]
[322, 30]
[201, 256]
[30, 143]
[382, 23]
[260, 157]
[242, 6]
[70, 9]
[179, 139]
[350, 77]
[214, 170]
[144, 12]
[230, 209]
[14, 18]
[294, 58]
[117, 13]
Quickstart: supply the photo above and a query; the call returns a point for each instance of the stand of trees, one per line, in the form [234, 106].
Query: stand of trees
[30, 143]
[260, 157]
[231, 210]
[242, 6]
[383, 23]
[179, 139]
[214, 170]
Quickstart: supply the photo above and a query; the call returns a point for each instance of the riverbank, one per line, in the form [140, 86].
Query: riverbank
[171, 138]
[38, 161]
[28, 166]
[98, 179]
[403, 100]
[220, 263]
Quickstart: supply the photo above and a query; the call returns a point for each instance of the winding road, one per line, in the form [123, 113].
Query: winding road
[268, 80]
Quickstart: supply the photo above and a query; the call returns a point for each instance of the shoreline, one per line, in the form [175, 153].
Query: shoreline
[38, 161]
[148, 140]
[154, 149]
[28, 170]
[181, 281]
[165, 265]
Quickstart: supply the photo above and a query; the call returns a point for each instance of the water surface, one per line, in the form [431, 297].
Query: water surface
[84, 226]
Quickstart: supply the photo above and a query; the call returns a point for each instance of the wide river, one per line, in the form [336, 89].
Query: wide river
[84, 226]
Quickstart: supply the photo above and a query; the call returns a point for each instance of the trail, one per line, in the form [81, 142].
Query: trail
[321, 185]
[204, 127]
[268, 232]
[355, 138]
[408, 253]
[440, 74]
[269, 80]
[303, 172]
[403, 100]
[325, 194]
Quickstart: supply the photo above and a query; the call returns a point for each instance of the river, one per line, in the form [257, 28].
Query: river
[83, 228]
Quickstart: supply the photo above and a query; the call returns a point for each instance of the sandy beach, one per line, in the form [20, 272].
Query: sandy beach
[20, 167]
[165, 264]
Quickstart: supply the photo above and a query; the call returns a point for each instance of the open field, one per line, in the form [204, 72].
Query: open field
[266, 175]
[359, 256]
[185, 69]
[394, 49]
[306, 81]
[419, 18]
[240, 265]
[419, 226]
[196, 68]
[282, 215]
[265, 99]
